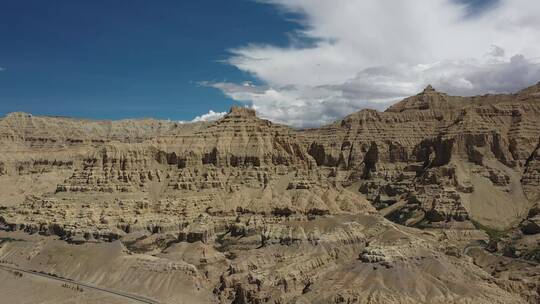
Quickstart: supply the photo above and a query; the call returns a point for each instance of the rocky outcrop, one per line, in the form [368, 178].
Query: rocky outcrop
[268, 213]
[435, 154]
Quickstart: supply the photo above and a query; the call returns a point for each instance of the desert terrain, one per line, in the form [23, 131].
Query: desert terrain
[435, 200]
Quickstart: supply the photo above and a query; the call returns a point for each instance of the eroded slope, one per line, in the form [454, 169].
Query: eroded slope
[242, 210]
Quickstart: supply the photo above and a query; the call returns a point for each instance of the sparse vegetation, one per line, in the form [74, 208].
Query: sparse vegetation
[494, 234]
[16, 273]
[8, 239]
[73, 287]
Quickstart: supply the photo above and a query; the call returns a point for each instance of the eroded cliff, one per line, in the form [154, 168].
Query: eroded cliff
[439, 191]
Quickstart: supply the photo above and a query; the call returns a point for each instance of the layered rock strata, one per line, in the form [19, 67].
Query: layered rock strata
[256, 212]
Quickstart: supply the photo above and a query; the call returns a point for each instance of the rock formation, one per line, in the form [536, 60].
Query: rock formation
[435, 200]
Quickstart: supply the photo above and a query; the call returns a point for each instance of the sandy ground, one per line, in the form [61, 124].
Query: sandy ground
[101, 265]
[33, 289]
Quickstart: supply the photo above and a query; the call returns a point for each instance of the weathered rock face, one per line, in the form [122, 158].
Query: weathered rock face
[287, 211]
[531, 175]
[440, 154]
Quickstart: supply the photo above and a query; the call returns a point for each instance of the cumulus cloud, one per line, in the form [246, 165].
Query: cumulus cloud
[370, 53]
[296, 105]
[210, 116]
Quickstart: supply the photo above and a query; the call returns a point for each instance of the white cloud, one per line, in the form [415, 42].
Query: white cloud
[301, 106]
[370, 52]
[2, 69]
[210, 116]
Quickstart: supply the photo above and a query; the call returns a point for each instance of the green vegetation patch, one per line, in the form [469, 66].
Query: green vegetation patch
[494, 234]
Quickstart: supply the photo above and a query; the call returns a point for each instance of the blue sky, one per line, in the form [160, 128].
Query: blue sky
[117, 59]
[308, 62]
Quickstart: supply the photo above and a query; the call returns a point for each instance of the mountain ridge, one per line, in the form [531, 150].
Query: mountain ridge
[435, 190]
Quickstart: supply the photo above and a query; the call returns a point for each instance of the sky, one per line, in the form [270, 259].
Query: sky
[300, 62]
[127, 58]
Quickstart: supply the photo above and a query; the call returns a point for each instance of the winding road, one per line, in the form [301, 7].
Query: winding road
[116, 293]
